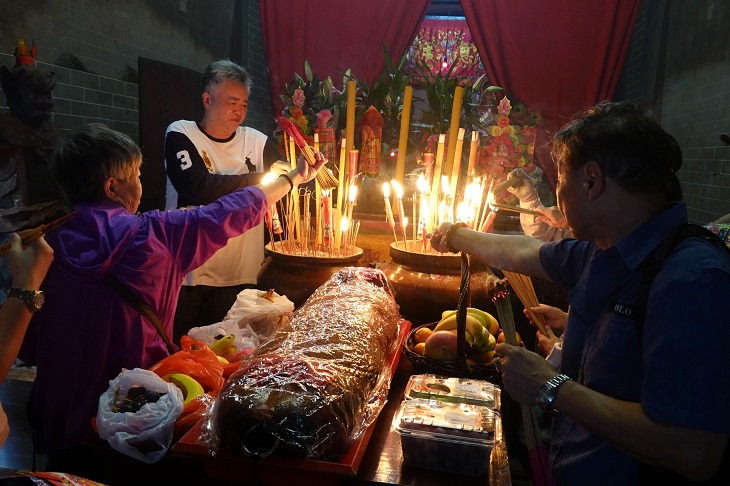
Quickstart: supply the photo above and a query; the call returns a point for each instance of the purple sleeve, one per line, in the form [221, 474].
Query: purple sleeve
[194, 235]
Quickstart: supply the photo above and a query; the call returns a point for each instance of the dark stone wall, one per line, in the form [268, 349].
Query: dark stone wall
[679, 64]
[93, 46]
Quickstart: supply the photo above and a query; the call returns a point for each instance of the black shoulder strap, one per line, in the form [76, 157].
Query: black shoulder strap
[134, 300]
[653, 263]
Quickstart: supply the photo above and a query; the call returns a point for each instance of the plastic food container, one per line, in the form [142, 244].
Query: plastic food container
[447, 436]
[449, 389]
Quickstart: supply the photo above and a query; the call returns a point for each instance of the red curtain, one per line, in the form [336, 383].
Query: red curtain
[556, 57]
[333, 36]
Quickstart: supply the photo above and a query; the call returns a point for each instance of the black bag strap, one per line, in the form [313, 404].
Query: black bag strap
[653, 263]
[134, 300]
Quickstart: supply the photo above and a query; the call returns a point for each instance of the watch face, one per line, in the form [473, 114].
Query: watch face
[544, 396]
[38, 300]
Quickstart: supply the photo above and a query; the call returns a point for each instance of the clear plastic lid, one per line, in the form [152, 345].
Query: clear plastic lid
[441, 420]
[449, 389]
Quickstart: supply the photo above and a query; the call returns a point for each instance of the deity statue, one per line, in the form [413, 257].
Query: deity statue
[29, 194]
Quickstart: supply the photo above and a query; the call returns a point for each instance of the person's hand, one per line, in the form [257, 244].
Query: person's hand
[438, 238]
[28, 266]
[524, 189]
[523, 372]
[308, 172]
[554, 318]
[280, 167]
[552, 216]
[546, 342]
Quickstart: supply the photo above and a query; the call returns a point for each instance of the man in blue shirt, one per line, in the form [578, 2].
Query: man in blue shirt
[640, 400]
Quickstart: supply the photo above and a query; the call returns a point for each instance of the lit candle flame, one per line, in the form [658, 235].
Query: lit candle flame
[398, 188]
[422, 184]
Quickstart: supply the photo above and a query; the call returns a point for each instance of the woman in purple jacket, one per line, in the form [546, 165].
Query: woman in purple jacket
[87, 333]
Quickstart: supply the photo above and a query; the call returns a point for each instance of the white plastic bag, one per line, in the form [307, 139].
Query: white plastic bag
[245, 337]
[146, 434]
[251, 319]
[261, 315]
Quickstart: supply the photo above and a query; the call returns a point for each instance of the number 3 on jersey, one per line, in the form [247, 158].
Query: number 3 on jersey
[184, 157]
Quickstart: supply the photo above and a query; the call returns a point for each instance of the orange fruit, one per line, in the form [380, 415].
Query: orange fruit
[422, 334]
[420, 348]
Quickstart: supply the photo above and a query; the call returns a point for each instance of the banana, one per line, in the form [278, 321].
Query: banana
[469, 337]
[488, 320]
[230, 352]
[221, 346]
[487, 342]
[473, 326]
[187, 384]
[482, 316]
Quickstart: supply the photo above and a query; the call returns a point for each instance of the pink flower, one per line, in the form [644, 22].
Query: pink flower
[323, 117]
[298, 98]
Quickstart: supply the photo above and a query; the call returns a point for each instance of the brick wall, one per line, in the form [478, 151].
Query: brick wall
[81, 98]
[696, 102]
[260, 114]
[679, 64]
[108, 37]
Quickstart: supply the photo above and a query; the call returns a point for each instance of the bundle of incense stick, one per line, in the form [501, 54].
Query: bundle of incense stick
[326, 179]
[30, 235]
[535, 450]
[516, 209]
[522, 285]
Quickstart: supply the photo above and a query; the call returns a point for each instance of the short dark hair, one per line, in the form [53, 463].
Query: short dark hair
[631, 147]
[224, 70]
[85, 158]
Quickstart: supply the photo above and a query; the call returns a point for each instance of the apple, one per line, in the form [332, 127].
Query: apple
[441, 345]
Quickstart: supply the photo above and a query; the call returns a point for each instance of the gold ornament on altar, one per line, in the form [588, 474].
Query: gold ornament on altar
[371, 129]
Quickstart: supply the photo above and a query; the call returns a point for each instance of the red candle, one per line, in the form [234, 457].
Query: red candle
[326, 218]
[486, 227]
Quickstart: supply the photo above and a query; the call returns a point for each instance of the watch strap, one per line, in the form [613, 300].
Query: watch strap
[552, 386]
[33, 299]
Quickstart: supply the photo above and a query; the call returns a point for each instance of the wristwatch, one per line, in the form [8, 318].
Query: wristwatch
[34, 299]
[546, 394]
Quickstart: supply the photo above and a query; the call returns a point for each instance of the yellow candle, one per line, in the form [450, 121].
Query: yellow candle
[350, 120]
[436, 179]
[400, 165]
[473, 153]
[454, 127]
[340, 189]
[456, 167]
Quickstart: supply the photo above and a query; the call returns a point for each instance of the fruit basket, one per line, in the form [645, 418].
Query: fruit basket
[460, 366]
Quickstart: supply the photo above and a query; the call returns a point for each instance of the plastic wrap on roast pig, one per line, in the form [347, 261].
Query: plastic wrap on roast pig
[322, 379]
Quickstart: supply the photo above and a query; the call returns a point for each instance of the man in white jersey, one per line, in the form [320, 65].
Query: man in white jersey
[205, 160]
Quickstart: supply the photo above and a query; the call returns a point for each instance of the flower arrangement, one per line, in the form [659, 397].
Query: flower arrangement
[506, 144]
[314, 106]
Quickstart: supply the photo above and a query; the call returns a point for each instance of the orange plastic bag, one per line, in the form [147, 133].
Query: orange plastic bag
[192, 413]
[196, 360]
